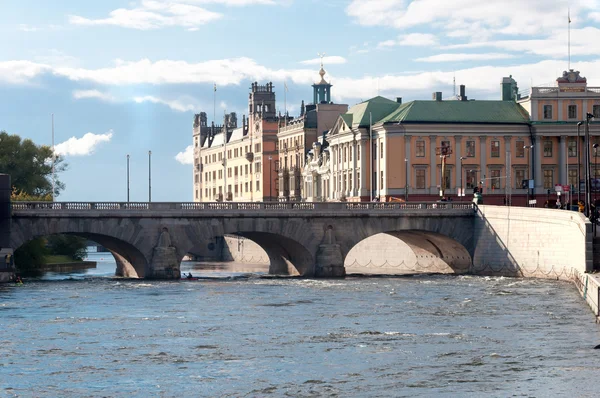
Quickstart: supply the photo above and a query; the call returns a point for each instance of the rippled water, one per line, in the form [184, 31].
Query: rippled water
[254, 336]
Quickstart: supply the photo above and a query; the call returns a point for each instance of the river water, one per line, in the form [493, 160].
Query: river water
[239, 334]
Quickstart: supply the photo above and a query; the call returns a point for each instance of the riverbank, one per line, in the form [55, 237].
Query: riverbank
[67, 266]
[589, 288]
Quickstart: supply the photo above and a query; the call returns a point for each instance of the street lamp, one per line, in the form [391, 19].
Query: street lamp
[127, 178]
[149, 176]
[528, 147]
[462, 190]
[270, 193]
[588, 187]
[406, 179]
[578, 164]
[595, 164]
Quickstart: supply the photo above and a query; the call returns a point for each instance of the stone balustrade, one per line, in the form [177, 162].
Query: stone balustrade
[244, 206]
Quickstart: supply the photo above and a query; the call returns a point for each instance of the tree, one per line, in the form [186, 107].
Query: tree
[68, 245]
[29, 165]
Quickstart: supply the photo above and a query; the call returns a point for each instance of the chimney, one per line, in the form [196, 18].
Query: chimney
[463, 97]
[399, 100]
[437, 96]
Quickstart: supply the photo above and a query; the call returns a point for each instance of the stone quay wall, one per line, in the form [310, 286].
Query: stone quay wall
[531, 242]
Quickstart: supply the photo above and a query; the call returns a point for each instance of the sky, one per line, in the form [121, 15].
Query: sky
[126, 77]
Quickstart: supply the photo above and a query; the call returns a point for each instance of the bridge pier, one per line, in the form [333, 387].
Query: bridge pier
[330, 261]
[164, 264]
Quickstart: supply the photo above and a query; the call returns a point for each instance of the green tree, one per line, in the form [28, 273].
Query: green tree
[68, 245]
[29, 165]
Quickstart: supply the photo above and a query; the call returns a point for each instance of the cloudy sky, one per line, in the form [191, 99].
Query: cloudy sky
[125, 77]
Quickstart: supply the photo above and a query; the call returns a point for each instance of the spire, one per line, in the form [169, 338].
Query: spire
[322, 71]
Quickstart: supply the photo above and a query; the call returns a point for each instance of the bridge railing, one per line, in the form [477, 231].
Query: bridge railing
[243, 206]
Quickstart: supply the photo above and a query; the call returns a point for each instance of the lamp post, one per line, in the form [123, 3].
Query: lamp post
[406, 179]
[270, 193]
[588, 188]
[595, 164]
[528, 147]
[578, 164]
[462, 190]
[127, 178]
[149, 176]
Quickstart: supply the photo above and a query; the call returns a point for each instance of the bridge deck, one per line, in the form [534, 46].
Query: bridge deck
[220, 209]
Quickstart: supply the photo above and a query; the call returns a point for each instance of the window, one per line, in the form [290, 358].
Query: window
[257, 147]
[572, 111]
[519, 149]
[246, 187]
[471, 149]
[235, 171]
[246, 171]
[572, 147]
[573, 178]
[257, 186]
[214, 175]
[548, 179]
[547, 111]
[596, 111]
[420, 177]
[420, 149]
[381, 186]
[519, 177]
[358, 153]
[471, 179]
[235, 152]
[344, 155]
[495, 174]
[381, 150]
[547, 149]
[196, 178]
[495, 149]
[196, 194]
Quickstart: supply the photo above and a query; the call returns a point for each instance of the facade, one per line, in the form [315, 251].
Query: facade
[385, 150]
[234, 163]
[388, 150]
[555, 112]
[296, 137]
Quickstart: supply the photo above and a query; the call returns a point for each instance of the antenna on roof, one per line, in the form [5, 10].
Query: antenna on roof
[454, 84]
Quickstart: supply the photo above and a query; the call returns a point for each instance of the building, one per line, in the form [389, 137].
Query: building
[555, 112]
[297, 135]
[424, 150]
[234, 163]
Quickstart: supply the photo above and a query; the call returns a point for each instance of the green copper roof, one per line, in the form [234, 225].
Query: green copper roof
[458, 112]
[379, 107]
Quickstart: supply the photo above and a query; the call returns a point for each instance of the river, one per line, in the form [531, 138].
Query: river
[240, 333]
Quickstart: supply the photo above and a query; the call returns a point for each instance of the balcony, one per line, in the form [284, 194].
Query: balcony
[249, 156]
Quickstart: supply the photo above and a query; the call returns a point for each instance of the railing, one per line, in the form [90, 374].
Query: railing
[211, 206]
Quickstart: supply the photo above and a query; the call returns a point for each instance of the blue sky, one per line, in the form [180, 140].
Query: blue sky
[125, 77]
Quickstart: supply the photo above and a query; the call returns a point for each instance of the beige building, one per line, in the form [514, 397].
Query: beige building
[296, 137]
[234, 163]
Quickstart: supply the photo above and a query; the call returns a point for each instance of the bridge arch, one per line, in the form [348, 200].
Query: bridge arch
[405, 252]
[131, 262]
[289, 243]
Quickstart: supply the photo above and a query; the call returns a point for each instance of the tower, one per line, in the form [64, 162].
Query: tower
[261, 102]
[322, 89]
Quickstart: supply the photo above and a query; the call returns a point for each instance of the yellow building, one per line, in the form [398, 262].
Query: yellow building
[555, 112]
[234, 163]
[296, 136]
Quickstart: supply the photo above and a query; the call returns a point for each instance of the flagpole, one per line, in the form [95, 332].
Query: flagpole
[569, 29]
[215, 103]
[285, 101]
[53, 159]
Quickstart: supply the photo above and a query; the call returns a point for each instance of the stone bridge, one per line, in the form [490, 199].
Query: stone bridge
[149, 240]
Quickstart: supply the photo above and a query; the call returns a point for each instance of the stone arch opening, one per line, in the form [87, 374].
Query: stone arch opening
[407, 252]
[131, 263]
[286, 256]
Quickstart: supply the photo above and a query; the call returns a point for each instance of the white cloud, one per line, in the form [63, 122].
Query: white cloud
[82, 146]
[177, 105]
[55, 57]
[83, 94]
[223, 105]
[187, 156]
[155, 14]
[20, 72]
[411, 39]
[28, 28]
[332, 60]
[152, 15]
[455, 57]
